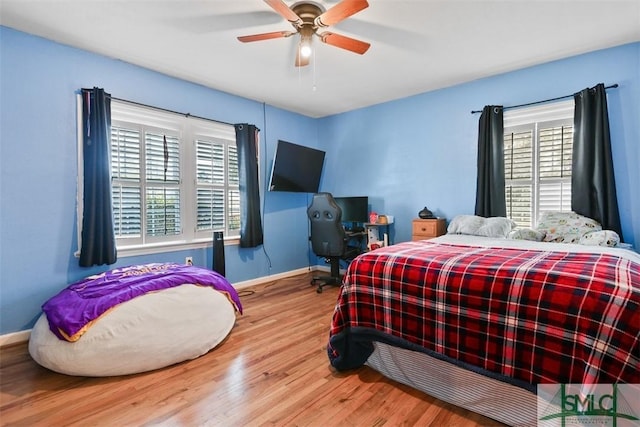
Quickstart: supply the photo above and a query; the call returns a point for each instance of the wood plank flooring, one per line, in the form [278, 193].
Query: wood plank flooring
[272, 370]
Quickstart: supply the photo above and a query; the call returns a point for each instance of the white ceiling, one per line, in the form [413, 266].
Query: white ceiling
[416, 46]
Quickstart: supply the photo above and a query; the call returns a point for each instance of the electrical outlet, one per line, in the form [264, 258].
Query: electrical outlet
[188, 260]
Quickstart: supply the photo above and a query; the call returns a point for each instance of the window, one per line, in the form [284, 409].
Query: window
[538, 145]
[174, 179]
[217, 186]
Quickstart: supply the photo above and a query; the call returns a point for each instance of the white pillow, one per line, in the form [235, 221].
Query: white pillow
[480, 226]
[527, 234]
[566, 227]
[601, 238]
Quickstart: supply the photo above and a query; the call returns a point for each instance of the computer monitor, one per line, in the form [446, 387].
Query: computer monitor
[354, 209]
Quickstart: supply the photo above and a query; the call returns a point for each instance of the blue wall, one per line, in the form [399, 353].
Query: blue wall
[403, 154]
[38, 82]
[421, 150]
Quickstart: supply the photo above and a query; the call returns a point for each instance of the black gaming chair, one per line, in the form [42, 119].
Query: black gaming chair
[328, 238]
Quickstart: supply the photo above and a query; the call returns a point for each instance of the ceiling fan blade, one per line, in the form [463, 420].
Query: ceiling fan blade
[344, 42]
[285, 11]
[339, 12]
[265, 36]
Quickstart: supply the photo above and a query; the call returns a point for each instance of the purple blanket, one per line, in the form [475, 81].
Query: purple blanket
[72, 311]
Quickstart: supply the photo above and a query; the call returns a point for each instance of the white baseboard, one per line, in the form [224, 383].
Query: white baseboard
[23, 336]
[14, 338]
[266, 279]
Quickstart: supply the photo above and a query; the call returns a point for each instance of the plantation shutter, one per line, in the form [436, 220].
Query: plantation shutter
[175, 179]
[216, 162]
[234, 189]
[556, 147]
[162, 189]
[537, 161]
[210, 168]
[518, 162]
[162, 192]
[125, 171]
[538, 149]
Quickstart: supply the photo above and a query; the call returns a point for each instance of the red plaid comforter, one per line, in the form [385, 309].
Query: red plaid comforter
[523, 316]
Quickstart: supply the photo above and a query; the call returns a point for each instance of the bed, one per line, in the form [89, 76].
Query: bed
[134, 319]
[481, 322]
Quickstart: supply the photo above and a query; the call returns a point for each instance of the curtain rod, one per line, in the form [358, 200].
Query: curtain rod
[543, 101]
[162, 109]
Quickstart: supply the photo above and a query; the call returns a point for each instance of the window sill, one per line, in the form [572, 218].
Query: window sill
[138, 250]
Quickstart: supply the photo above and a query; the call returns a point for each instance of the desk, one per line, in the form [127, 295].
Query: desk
[373, 233]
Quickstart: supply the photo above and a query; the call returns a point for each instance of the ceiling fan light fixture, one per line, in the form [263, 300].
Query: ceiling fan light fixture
[306, 17]
[305, 48]
[305, 51]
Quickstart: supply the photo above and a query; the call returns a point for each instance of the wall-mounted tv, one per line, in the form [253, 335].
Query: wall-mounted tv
[296, 168]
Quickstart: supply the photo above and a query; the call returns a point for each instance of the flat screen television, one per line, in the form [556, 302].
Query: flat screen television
[354, 209]
[296, 168]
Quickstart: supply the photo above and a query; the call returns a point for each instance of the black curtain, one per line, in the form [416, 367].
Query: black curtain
[250, 221]
[490, 197]
[98, 236]
[593, 188]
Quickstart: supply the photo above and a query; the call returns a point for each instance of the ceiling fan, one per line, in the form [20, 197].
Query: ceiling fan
[306, 18]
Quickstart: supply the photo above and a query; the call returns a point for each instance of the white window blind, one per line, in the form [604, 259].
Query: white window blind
[174, 179]
[217, 180]
[518, 155]
[538, 145]
[556, 149]
[125, 188]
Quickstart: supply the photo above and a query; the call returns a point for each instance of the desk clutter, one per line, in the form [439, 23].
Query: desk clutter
[375, 218]
[374, 238]
[371, 230]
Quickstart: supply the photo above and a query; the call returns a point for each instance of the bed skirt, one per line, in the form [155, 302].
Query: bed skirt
[495, 399]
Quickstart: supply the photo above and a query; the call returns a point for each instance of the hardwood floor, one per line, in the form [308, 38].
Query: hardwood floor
[272, 370]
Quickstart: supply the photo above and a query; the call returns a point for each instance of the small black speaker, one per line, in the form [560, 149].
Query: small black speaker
[218, 252]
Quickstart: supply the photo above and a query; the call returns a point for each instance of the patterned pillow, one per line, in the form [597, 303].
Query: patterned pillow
[601, 238]
[566, 227]
[481, 226]
[527, 234]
